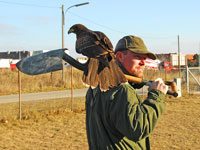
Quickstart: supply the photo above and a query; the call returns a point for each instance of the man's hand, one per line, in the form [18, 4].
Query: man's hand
[158, 84]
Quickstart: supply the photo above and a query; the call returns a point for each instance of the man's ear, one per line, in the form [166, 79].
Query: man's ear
[120, 56]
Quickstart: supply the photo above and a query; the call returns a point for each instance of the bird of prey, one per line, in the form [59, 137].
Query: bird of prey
[102, 69]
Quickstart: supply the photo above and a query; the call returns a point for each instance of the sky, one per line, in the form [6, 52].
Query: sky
[37, 24]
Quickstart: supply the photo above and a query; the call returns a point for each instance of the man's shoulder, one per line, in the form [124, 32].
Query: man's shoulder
[122, 88]
[123, 92]
[125, 86]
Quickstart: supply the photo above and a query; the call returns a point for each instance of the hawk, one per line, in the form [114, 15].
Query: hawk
[102, 69]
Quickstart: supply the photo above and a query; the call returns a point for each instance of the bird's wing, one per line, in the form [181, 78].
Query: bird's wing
[84, 41]
[93, 44]
[104, 40]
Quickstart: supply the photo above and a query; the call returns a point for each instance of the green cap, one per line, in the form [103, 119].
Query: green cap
[134, 44]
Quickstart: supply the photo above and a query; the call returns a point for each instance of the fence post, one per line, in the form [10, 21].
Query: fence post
[19, 86]
[178, 84]
[187, 80]
[72, 94]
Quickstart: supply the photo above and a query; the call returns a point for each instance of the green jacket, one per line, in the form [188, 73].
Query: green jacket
[118, 120]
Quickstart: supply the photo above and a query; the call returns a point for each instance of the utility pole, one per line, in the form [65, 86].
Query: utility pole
[199, 61]
[179, 69]
[199, 55]
[63, 25]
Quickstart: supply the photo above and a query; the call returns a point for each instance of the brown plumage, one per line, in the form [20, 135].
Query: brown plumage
[103, 69]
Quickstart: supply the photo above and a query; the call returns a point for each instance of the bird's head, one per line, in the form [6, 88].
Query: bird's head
[76, 28]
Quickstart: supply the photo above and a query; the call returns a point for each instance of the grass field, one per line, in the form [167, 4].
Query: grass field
[53, 81]
[51, 125]
[38, 83]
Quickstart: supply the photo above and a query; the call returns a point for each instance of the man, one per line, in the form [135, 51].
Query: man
[118, 119]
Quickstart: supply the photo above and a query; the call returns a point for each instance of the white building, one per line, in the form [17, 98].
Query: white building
[39, 51]
[174, 59]
[5, 63]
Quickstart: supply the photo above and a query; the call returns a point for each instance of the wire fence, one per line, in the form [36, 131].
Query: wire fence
[50, 86]
[19, 100]
[192, 79]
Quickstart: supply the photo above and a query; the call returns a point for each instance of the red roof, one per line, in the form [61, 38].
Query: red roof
[190, 56]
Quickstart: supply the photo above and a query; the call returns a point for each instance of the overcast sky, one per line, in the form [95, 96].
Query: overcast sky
[36, 24]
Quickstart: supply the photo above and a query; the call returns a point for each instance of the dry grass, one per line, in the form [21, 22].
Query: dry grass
[164, 74]
[40, 109]
[38, 83]
[51, 125]
[45, 124]
[53, 81]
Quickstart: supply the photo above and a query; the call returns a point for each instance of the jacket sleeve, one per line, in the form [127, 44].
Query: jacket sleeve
[131, 117]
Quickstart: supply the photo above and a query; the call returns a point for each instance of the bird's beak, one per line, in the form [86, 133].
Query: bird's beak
[70, 30]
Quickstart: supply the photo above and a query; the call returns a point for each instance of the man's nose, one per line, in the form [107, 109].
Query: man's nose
[142, 62]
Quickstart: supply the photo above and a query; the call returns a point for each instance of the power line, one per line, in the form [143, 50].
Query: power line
[160, 37]
[97, 23]
[30, 5]
[111, 29]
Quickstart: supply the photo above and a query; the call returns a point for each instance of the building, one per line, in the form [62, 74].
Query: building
[163, 57]
[39, 51]
[10, 58]
[151, 64]
[190, 57]
[14, 54]
[173, 59]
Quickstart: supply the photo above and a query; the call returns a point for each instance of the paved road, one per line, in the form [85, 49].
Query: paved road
[45, 95]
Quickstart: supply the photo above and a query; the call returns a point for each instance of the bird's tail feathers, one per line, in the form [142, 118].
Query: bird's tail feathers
[104, 62]
[106, 77]
[90, 76]
[116, 73]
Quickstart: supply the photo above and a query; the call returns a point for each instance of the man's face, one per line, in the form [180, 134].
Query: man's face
[132, 62]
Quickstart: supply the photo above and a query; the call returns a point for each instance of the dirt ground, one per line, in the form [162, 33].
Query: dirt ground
[178, 129]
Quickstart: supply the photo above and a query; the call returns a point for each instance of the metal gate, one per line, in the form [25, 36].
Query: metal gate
[193, 80]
